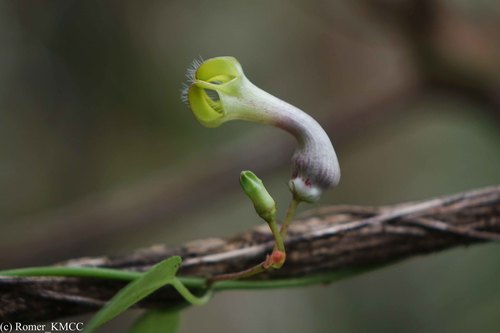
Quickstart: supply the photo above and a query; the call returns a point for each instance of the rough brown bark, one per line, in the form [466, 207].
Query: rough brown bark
[327, 239]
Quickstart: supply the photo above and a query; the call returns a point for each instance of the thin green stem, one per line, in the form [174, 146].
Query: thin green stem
[277, 235]
[257, 269]
[188, 296]
[283, 283]
[90, 272]
[290, 214]
[189, 282]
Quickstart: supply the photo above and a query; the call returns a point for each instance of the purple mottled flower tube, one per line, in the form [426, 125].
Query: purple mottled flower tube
[218, 91]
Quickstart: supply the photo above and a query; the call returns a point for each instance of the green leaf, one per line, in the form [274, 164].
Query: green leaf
[157, 321]
[158, 276]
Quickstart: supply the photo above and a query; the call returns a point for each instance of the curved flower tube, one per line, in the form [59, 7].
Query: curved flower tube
[219, 91]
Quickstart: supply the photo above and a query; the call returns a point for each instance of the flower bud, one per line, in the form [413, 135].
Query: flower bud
[262, 201]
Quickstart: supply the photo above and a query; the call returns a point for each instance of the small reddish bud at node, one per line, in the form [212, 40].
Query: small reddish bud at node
[278, 257]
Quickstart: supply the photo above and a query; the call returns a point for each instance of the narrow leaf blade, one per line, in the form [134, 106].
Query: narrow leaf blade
[157, 321]
[158, 276]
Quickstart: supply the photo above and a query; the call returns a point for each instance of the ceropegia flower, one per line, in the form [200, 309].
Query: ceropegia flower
[218, 91]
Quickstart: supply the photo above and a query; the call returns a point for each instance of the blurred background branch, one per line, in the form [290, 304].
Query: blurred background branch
[327, 240]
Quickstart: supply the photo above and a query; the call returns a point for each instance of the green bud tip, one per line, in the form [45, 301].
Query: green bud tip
[264, 204]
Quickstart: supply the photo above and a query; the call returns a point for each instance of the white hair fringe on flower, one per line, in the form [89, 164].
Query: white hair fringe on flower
[218, 91]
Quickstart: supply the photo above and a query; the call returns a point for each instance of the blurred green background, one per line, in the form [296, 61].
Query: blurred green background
[98, 155]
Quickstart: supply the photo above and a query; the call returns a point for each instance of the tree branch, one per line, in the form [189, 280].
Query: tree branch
[329, 240]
